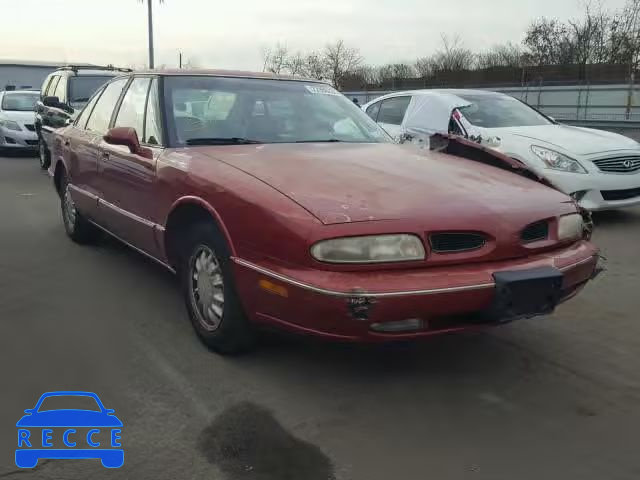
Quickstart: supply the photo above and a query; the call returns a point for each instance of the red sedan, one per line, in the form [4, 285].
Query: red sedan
[278, 202]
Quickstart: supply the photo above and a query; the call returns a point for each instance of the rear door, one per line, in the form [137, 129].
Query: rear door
[85, 147]
[128, 202]
[391, 115]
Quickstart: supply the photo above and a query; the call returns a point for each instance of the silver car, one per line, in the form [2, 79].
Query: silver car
[17, 116]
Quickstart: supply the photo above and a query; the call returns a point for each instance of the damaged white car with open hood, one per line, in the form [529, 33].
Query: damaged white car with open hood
[599, 169]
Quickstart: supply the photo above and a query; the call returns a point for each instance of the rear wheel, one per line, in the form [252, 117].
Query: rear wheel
[209, 291]
[79, 229]
[43, 154]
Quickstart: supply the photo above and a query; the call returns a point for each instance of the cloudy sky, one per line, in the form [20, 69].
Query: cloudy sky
[232, 34]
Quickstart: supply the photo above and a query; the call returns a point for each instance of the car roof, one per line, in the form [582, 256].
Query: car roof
[20, 91]
[460, 92]
[223, 73]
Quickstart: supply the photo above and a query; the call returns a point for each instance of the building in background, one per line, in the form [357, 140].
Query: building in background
[26, 74]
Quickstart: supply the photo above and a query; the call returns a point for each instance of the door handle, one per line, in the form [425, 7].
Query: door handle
[105, 155]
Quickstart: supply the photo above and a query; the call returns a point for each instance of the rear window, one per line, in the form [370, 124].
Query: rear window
[81, 88]
[20, 102]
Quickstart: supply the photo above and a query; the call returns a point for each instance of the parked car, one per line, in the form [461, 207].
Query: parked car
[284, 205]
[64, 93]
[599, 169]
[17, 117]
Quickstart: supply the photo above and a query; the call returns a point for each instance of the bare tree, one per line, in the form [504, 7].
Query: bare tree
[453, 55]
[624, 35]
[507, 55]
[275, 59]
[424, 67]
[340, 60]
[589, 36]
[548, 42]
[295, 64]
[315, 66]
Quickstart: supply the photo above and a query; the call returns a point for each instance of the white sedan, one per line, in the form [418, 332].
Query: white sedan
[600, 169]
[17, 117]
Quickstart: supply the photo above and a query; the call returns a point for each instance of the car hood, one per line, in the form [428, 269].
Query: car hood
[576, 140]
[69, 418]
[342, 183]
[20, 117]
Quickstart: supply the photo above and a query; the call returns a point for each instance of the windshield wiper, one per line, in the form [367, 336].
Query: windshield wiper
[80, 100]
[324, 140]
[221, 141]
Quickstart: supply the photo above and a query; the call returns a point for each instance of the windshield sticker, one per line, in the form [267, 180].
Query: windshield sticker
[322, 90]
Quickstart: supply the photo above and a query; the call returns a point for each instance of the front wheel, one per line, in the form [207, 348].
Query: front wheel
[209, 291]
[43, 154]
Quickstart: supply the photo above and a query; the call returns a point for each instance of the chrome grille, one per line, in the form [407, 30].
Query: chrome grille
[628, 164]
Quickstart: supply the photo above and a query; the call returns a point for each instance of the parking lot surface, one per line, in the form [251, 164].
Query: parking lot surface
[547, 398]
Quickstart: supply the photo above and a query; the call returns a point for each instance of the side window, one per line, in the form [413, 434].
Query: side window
[131, 113]
[61, 89]
[101, 115]
[372, 110]
[52, 85]
[152, 131]
[81, 121]
[393, 109]
[45, 86]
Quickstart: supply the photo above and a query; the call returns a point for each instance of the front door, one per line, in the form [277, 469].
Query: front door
[128, 203]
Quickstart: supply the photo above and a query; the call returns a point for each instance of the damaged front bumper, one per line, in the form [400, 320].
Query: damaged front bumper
[369, 306]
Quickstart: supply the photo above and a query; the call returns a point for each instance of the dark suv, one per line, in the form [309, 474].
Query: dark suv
[63, 95]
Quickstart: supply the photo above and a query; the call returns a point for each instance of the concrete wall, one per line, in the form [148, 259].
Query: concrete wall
[24, 76]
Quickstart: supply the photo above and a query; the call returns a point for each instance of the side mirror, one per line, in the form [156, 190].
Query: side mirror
[128, 137]
[51, 102]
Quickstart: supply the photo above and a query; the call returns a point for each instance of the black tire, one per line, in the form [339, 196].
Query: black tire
[44, 156]
[233, 333]
[78, 228]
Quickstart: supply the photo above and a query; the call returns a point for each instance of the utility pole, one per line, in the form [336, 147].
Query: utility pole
[150, 15]
[180, 60]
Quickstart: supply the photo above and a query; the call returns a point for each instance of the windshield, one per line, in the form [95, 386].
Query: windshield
[81, 88]
[20, 101]
[495, 111]
[209, 110]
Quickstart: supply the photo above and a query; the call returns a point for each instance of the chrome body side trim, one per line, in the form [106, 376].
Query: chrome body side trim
[160, 262]
[126, 213]
[84, 192]
[334, 293]
[576, 264]
[433, 291]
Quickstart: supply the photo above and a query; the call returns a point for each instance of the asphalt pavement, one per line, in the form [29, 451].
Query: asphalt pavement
[547, 398]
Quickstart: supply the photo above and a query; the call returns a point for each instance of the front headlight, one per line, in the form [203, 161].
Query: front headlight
[10, 125]
[400, 247]
[570, 227]
[557, 161]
